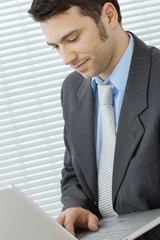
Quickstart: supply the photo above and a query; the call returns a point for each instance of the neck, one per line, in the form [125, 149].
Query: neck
[121, 43]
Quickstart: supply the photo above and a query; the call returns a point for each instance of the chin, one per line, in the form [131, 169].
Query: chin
[87, 75]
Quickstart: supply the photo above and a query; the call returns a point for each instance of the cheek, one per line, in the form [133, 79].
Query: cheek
[89, 44]
[99, 53]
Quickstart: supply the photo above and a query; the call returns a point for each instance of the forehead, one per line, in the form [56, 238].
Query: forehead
[62, 23]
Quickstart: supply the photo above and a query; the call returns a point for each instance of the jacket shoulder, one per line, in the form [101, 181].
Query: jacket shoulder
[73, 80]
[155, 53]
[155, 60]
[70, 87]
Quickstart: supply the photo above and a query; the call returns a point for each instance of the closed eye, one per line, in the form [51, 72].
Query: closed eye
[73, 39]
[69, 41]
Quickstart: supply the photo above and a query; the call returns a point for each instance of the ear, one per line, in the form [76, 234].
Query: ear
[109, 14]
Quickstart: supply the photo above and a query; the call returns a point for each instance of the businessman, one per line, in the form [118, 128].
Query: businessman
[89, 37]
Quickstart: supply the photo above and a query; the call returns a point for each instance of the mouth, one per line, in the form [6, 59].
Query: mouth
[80, 66]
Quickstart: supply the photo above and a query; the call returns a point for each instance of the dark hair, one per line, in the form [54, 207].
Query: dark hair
[42, 10]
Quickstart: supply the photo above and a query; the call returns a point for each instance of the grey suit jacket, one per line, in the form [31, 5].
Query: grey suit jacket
[136, 172]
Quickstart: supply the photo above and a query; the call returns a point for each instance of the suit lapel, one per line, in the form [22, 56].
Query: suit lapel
[83, 137]
[130, 129]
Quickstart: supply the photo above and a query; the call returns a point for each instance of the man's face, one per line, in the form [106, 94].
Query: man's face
[87, 47]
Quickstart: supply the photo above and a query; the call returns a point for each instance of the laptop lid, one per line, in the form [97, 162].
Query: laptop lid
[21, 219]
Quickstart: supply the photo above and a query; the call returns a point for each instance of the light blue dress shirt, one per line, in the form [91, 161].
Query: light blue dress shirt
[119, 79]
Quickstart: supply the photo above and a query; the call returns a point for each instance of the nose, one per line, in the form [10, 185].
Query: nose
[68, 55]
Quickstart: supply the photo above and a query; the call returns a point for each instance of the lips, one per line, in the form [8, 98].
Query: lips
[80, 65]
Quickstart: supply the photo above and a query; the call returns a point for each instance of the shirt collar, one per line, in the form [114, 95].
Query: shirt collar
[119, 75]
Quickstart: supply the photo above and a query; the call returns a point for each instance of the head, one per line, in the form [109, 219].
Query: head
[85, 33]
[42, 10]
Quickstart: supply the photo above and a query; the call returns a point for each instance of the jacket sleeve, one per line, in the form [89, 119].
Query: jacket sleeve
[75, 190]
[72, 192]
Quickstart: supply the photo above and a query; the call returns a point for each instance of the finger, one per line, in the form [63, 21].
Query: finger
[61, 218]
[92, 222]
[69, 224]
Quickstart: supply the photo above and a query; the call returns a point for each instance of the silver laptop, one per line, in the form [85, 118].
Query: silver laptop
[21, 219]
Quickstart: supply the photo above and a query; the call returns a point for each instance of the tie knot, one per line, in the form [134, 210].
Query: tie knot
[105, 94]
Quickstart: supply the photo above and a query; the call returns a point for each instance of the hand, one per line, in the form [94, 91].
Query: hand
[78, 217]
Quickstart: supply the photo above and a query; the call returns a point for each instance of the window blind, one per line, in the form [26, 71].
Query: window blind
[31, 124]
[31, 75]
[143, 19]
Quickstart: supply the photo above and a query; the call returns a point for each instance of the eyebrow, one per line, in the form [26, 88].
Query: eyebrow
[63, 38]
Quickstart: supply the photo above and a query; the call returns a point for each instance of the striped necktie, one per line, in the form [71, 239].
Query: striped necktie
[105, 169]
